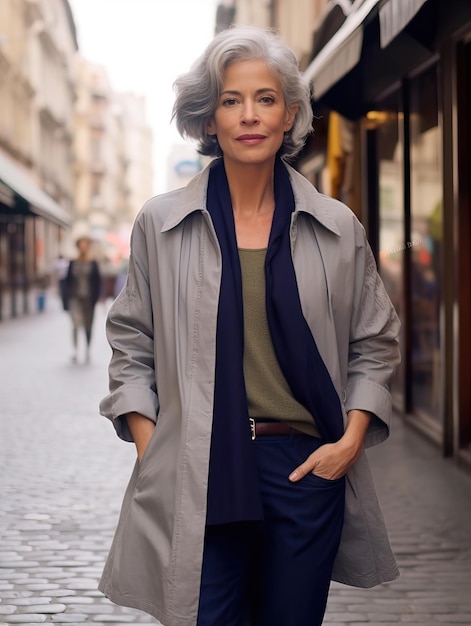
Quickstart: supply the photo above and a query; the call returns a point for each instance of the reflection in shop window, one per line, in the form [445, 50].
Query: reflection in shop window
[389, 147]
[426, 233]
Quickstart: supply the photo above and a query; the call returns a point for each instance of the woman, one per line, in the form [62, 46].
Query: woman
[83, 285]
[253, 347]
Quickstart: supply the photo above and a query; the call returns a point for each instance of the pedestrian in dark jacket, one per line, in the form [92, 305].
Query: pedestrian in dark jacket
[253, 348]
[83, 286]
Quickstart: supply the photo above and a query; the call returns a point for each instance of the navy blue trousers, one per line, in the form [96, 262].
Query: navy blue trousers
[276, 572]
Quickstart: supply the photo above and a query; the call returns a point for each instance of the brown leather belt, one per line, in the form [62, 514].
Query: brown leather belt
[258, 428]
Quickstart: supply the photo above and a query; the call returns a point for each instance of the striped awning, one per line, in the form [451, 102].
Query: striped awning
[343, 52]
[394, 17]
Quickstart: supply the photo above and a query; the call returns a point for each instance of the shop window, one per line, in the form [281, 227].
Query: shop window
[387, 121]
[426, 184]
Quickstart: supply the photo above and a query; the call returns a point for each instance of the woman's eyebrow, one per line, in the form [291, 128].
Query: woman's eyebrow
[234, 92]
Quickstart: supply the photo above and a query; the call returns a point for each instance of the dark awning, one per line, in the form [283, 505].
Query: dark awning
[394, 17]
[344, 50]
[341, 53]
[40, 203]
[332, 18]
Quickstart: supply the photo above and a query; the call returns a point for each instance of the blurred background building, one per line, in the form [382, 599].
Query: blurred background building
[183, 163]
[75, 156]
[37, 93]
[113, 166]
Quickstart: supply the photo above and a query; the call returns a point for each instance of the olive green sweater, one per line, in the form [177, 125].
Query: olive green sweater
[268, 393]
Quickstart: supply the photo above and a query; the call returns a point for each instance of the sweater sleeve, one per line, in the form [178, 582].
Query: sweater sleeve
[374, 344]
[130, 333]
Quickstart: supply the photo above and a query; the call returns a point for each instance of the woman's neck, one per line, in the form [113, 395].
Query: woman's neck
[253, 202]
[251, 188]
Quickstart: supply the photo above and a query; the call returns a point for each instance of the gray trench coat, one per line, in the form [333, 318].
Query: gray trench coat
[162, 329]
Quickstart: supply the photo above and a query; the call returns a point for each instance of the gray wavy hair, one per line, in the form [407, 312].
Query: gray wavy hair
[198, 91]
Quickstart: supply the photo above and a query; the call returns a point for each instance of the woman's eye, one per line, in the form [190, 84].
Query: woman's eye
[229, 101]
[267, 100]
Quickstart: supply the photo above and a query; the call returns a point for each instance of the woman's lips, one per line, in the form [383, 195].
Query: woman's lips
[251, 140]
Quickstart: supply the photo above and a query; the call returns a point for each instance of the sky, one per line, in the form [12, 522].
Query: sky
[145, 45]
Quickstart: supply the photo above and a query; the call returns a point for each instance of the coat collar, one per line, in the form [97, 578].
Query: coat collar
[307, 199]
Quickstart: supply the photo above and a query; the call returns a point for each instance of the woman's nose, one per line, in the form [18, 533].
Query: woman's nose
[249, 114]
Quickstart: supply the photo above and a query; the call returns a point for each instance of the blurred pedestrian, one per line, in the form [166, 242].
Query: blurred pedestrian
[253, 348]
[61, 269]
[83, 287]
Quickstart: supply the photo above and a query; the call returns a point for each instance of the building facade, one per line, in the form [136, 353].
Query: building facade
[113, 163]
[37, 54]
[398, 77]
[391, 86]
[138, 147]
[75, 156]
[101, 161]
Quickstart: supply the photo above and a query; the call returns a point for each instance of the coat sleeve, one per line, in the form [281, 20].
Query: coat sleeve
[129, 328]
[374, 344]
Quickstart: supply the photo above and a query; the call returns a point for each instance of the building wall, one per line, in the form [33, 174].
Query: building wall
[37, 92]
[94, 142]
[16, 88]
[295, 20]
[138, 146]
[113, 158]
[250, 12]
[87, 147]
[52, 50]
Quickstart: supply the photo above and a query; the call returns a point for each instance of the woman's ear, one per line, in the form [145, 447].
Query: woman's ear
[290, 117]
[211, 127]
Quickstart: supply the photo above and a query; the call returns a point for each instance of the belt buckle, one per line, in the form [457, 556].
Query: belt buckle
[252, 428]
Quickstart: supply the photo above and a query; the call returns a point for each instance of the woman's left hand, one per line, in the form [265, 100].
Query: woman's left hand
[333, 460]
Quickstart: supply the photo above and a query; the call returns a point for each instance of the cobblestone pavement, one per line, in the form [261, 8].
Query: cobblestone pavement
[63, 474]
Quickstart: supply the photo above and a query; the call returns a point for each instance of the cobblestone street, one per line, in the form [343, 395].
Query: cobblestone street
[63, 474]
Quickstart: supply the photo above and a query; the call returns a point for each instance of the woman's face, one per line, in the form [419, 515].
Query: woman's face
[251, 116]
[83, 245]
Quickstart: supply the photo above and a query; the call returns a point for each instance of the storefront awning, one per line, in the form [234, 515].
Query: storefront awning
[40, 203]
[341, 54]
[394, 17]
[332, 18]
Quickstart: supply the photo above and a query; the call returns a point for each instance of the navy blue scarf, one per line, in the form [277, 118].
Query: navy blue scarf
[233, 490]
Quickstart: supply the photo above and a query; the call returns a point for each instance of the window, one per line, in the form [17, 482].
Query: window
[388, 120]
[425, 242]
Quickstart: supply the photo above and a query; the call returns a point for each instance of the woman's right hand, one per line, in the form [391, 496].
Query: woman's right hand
[141, 428]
